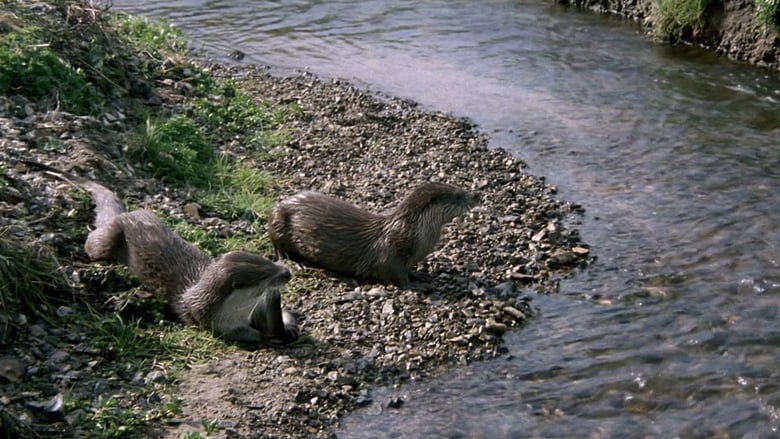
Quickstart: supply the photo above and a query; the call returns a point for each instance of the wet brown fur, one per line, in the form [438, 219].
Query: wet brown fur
[331, 233]
[235, 295]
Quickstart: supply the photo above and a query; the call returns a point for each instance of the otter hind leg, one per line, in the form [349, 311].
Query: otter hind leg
[292, 331]
[230, 320]
[276, 326]
[264, 323]
[242, 334]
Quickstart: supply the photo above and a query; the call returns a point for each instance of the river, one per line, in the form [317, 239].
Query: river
[674, 153]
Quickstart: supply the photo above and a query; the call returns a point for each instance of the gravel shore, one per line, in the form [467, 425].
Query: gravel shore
[368, 149]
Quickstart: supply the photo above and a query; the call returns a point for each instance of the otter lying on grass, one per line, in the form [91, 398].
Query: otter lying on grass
[235, 295]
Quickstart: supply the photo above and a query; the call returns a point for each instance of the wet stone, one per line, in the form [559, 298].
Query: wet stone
[57, 357]
[37, 331]
[514, 312]
[395, 403]
[12, 369]
[155, 376]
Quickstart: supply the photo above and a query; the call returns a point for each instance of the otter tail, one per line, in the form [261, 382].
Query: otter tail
[107, 204]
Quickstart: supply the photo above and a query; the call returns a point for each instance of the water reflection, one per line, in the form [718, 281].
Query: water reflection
[673, 152]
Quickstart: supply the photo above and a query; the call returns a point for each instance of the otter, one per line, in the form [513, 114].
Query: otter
[236, 295]
[333, 234]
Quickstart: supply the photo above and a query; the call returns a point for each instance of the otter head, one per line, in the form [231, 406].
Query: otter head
[248, 270]
[428, 208]
[438, 203]
[250, 310]
[252, 276]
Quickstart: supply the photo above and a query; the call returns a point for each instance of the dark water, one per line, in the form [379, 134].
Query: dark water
[675, 154]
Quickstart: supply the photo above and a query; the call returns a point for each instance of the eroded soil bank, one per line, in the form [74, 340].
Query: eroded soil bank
[727, 27]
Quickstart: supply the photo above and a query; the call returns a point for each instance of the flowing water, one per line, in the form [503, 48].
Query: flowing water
[674, 153]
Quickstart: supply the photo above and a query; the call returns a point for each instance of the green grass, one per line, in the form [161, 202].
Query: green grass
[157, 39]
[674, 17]
[214, 243]
[80, 59]
[76, 58]
[136, 342]
[229, 113]
[122, 340]
[131, 336]
[134, 345]
[175, 150]
[113, 417]
[239, 191]
[232, 115]
[30, 277]
[29, 66]
[182, 149]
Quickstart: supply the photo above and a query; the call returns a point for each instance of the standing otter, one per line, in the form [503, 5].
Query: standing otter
[235, 295]
[336, 235]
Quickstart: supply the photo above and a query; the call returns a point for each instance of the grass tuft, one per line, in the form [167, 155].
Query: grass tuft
[175, 150]
[120, 340]
[114, 417]
[230, 113]
[239, 191]
[29, 65]
[136, 342]
[30, 277]
[674, 17]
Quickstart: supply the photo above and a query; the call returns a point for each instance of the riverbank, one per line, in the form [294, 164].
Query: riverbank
[94, 354]
[743, 30]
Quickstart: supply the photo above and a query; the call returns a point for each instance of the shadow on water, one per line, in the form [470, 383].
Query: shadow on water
[673, 152]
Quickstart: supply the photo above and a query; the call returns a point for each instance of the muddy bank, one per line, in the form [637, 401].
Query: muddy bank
[730, 28]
